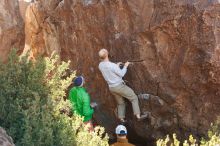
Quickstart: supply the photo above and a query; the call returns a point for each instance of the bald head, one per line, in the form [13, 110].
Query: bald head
[103, 54]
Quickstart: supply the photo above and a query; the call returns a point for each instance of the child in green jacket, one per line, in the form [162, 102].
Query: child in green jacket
[80, 101]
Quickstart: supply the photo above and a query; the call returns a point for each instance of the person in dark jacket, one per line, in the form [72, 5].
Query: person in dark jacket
[121, 133]
[80, 101]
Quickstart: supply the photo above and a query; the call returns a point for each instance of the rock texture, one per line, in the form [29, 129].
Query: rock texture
[23, 4]
[178, 39]
[5, 140]
[11, 28]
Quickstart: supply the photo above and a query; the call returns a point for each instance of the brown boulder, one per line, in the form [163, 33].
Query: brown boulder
[11, 28]
[23, 4]
[179, 41]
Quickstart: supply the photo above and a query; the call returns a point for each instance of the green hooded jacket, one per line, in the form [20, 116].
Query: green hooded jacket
[80, 101]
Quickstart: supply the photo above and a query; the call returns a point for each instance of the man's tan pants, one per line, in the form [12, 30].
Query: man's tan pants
[123, 91]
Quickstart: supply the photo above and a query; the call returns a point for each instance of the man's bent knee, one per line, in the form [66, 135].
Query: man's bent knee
[133, 98]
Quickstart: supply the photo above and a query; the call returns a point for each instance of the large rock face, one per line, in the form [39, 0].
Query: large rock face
[11, 27]
[23, 4]
[179, 41]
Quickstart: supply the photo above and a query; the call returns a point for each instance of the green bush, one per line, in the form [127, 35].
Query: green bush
[31, 100]
[215, 128]
[212, 140]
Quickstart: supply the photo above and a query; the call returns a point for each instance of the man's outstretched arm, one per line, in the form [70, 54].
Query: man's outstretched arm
[120, 72]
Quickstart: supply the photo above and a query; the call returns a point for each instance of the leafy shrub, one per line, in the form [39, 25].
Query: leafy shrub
[212, 140]
[31, 98]
[215, 128]
[175, 142]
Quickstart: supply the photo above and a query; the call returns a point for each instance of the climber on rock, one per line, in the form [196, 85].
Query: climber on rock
[113, 76]
[80, 101]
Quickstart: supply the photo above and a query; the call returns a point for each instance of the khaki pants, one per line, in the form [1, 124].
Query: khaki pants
[123, 91]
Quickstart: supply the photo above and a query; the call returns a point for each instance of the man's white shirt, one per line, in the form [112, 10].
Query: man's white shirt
[112, 73]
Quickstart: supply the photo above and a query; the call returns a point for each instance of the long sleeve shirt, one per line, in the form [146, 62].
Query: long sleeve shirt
[112, 73]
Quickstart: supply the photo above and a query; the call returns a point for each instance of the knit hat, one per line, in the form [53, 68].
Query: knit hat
[78, 81]
[120, 129]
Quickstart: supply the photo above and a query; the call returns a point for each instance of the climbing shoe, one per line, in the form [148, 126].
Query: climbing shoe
[144, 96]
[122, 121]
[144, 116]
